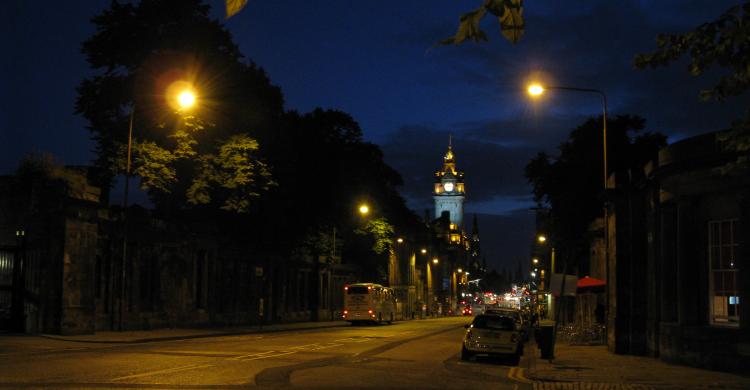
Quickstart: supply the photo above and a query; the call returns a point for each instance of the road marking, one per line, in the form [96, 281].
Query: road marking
[250, 355]
[201, 353]
[279, 353]
[516, 374]
[166, 371]
[304, 346]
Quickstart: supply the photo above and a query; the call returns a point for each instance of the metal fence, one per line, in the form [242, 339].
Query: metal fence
[582, 334]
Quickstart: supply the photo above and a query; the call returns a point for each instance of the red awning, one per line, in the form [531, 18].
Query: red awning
[586, 282]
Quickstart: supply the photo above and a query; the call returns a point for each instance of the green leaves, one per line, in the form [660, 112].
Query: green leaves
[510, 19]
[724, 42]
[154, 165]
[468, 28]
[233, 172]
[382, 232]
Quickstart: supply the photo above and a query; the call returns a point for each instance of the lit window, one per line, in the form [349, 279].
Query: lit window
[724, 272]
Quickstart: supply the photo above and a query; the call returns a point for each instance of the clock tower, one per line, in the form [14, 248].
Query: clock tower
[449, 189]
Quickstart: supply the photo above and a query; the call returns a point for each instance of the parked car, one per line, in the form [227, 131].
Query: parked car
[493, 335]
[523, 325]
[477, 309]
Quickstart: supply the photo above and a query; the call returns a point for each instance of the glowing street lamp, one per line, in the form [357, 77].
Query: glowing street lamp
[181, 92]
[435, 260]
[400, 240]
[535, 260]
[186, 99]
[364, 209]
[460, 270]
[424, 251]
[536, 90]
[542, 238]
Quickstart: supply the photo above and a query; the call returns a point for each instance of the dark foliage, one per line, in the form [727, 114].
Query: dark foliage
[572, 185]
[319, 164]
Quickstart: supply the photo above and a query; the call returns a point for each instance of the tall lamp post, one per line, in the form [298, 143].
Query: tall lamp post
[184, 100]
[538, 89]
[430, 279]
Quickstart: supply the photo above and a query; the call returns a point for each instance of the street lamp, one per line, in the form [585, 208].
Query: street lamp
[424, 251]
[435, 260]
[400, 240]
[535, 260]
[364, 209]
[542, 238]
[186, 99]
[538, 89]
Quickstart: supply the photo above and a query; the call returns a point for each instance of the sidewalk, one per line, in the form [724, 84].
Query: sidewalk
[145, 336]
[593, 367]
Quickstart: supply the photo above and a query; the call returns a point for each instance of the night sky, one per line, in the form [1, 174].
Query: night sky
[376, 61]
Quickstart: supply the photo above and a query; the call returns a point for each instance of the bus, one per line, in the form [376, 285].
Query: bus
[369, 302]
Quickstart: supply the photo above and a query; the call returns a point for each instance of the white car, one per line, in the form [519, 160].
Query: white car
[494, 335]
[523, 326]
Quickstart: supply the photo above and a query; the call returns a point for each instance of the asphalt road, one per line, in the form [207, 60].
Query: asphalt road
[410, 354]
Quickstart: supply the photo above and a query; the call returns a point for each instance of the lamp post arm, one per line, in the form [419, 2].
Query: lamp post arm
[129, 159]
[604, 120]
[606, 186]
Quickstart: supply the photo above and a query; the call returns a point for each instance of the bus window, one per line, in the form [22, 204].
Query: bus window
[357, 290]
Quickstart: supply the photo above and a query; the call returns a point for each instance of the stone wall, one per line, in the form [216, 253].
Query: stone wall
[659, 302]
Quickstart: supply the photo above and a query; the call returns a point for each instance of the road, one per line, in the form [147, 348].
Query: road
[410, 354]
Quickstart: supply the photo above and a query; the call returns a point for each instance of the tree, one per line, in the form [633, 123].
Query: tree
[722, 42]
[311, 168]
[207, 157]
[324, 170]
[571, 184]
[509, 14]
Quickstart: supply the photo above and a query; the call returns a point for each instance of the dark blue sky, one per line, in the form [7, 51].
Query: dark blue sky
[375, 60]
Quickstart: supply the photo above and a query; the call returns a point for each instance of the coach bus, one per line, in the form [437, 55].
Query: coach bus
[369, 302]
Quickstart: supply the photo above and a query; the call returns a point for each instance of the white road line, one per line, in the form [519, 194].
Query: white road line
[304, 346]
[166, 371]
[280, 353]
[326, 346]
[241, 357]
[204, 353]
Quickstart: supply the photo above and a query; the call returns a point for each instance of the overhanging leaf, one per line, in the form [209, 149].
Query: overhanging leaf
[468, 28]
[511, 22]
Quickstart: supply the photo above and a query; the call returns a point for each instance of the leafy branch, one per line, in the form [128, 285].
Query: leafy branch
[509, 14]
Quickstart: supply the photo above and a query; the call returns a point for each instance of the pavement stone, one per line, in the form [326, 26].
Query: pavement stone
[594, 368]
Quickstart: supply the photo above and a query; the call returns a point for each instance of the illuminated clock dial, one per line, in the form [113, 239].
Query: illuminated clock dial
[448, 187]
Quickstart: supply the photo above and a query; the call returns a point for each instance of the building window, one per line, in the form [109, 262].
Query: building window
[724, 271]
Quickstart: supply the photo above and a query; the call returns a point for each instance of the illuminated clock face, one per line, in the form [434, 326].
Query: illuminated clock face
[448, 187]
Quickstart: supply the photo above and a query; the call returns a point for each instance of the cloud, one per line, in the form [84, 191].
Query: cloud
[492, 169]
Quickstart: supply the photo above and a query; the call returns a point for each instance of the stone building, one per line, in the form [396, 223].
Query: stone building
[61, 266]
[679, 232]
